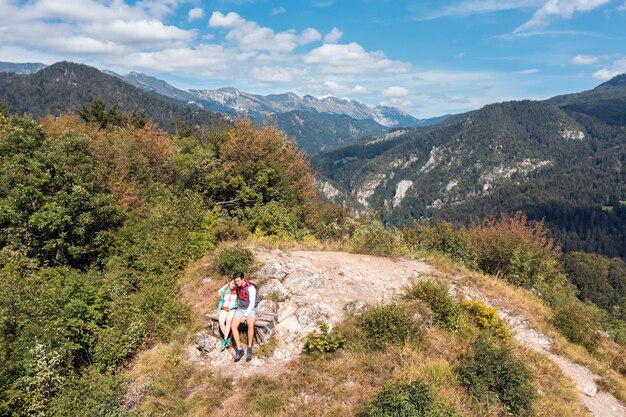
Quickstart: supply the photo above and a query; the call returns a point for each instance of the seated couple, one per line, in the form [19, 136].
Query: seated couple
[237, 305]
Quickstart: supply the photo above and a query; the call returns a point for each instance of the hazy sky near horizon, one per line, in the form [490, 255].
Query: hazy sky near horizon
[426, 57]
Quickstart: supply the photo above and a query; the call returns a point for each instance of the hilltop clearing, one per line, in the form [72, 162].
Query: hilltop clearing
[304, 287]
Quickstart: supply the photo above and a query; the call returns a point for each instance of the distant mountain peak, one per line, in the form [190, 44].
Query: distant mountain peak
[22, 67]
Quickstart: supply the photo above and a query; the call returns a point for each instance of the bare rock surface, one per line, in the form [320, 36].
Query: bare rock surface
[311, 286]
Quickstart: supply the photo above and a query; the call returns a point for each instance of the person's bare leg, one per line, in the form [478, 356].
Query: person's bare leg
[250, 322]
[235, 328]
[221, 318]
[229, 322]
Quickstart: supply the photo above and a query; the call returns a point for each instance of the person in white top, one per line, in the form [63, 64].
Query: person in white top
[226, 308]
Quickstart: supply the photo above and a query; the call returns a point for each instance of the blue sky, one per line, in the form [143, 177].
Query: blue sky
[426, 57]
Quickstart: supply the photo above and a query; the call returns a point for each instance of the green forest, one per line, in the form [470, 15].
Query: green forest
[98, 221]
[102, 211]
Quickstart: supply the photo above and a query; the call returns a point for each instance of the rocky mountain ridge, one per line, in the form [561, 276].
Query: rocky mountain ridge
[504, 157]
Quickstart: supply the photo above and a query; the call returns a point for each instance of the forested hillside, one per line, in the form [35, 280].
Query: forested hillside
[66, 86]
[113, 232]
[98, 221]
[559, 162]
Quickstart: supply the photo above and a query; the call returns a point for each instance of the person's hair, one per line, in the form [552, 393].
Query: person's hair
[238, 275]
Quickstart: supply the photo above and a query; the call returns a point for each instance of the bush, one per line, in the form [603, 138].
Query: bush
[387, 324]
[373, 238]
[416, 399]
[233, 259]
[90, 394]
[443, 238]
[323, 342]
[445, 309]
[517, 249]
[579, 323]
[491, 372]
[273, 218]
[487, 318]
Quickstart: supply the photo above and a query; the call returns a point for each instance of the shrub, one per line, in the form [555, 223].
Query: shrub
[233, 259]
[323, 342]
[386, 324]
[416, 399]
[517, 249]
[579, 323]
[487, 318]
[443, 238]
[373, 238]
[445, 309]
[491, 372]
[92, 394]
[274, 218]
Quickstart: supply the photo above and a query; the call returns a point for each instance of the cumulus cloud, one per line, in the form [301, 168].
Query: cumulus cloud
[249, 36]
[196, 13]
[137, 31]
[584, 60]
[618, 67]
[395, 91]
[333, 36]
[309, 35]
[204, 60]
[220, 20]
[352, 59]
[560, 8]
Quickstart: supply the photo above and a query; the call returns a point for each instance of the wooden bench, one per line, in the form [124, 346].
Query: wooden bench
[263, 326]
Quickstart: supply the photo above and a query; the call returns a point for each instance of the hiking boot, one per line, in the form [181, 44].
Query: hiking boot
[224, 344]
[238, 354]
[249, 355]
[228, 343]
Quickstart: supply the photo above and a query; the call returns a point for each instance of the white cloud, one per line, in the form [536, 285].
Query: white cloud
[395, 91]
[618, 67]
[277, 75]
[219, 20]
[137, 31]
[584, 60]
[196, 13]
[401, 103]
[309, 35]
[333, 36]
[204, 60]
[278, 10]
[249, 36]
[472, 7]
[352, 59]
[337, 89]
[560, 8]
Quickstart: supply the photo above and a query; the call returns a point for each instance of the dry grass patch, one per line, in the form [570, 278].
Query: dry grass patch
[557, 394]
[171, 386]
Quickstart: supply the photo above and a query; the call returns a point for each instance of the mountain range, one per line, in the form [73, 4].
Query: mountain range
[561, 160]
[316, 124]
[65, 86]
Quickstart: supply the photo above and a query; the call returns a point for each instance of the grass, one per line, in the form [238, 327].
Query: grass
[343, 383]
